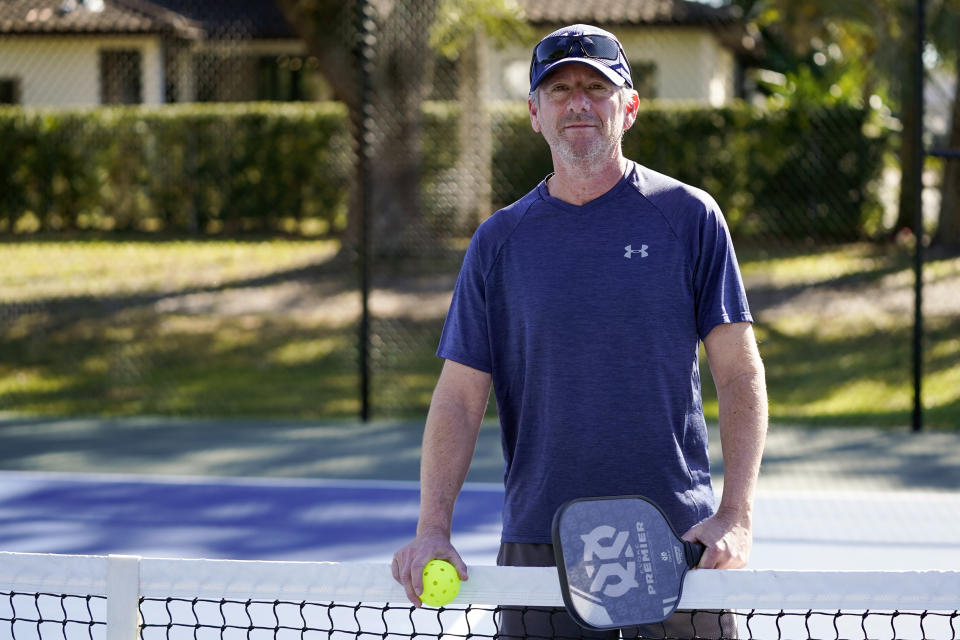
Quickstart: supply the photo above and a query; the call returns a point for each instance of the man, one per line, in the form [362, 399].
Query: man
[584, 303]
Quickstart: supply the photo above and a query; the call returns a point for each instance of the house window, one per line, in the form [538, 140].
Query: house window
[209, 72]
[121, 76]
[644, 74]
[9, 91]
[280, 78]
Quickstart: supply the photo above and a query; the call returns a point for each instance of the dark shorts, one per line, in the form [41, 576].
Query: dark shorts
[543, 622]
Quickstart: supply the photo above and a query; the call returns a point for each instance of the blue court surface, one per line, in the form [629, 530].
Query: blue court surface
[244, 519]
[358, 520]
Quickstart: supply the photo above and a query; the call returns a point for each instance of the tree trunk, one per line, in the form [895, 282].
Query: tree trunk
[400, 82]
[948, 230]
[476, 138]
[400, 74]
[910, 181]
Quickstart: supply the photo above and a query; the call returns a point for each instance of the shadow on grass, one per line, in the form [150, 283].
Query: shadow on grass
[156, 354]
[297, 356]
[882, 262]
[135, 366]
[859, 380]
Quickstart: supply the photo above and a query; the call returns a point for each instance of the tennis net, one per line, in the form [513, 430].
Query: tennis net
[66, 597]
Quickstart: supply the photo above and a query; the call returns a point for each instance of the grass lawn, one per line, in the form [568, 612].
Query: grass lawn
[188, 328]
[269, 328]
[836, 333]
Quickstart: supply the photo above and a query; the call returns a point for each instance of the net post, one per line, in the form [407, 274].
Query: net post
[123, 597]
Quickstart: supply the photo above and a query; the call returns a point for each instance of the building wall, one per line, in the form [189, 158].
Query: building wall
[65, 70]
[690, 64]
[61, 70]
[228, 68]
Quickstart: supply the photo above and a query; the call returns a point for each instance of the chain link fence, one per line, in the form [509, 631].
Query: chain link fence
[215, 208]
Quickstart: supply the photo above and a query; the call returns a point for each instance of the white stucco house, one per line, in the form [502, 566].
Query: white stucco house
[677, 49]
[92, 52]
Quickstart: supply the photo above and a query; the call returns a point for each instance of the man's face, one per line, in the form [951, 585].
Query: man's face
[581, 114]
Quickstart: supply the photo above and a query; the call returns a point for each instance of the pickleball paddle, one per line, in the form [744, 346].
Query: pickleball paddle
[620, 561]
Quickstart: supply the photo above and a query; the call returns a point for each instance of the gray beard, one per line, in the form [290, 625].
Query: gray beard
[589, 160]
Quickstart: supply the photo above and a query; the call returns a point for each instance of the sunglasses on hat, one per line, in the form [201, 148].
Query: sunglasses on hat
[601, 51]
[576, 46]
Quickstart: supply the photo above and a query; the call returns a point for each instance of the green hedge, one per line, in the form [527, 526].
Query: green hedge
[783, 174]
[787, 175]
[206, 168]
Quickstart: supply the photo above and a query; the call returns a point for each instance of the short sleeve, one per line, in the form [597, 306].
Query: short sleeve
[720, 295]
[464, 338]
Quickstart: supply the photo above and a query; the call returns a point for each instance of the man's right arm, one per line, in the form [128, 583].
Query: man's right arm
[449, 439]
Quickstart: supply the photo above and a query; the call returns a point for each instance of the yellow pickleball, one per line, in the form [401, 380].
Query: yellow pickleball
[441, 584]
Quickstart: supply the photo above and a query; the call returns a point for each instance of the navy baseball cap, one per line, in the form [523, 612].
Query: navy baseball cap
[584, 44]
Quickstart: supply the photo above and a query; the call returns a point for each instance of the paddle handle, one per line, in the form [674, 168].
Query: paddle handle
[694, 551]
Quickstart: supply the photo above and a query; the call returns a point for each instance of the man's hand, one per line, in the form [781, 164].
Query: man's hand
[449, 438]
[409, 561]
[727, 540]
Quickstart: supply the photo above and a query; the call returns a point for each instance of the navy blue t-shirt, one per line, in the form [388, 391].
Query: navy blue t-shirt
[589, 319]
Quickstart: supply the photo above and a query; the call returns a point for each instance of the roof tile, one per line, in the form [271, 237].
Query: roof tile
[212, 18]
[49, 16]
[627, 12]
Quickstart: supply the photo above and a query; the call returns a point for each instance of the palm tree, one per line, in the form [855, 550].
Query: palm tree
[873, 41]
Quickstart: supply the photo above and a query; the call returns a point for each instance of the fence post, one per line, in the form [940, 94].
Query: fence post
[365, 53]
[919, 158]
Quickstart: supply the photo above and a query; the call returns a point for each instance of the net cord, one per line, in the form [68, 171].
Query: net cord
[125, 578]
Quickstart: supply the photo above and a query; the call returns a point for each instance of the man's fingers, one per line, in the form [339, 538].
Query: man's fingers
[408, 564]
[721, 556]
[404, 573]
[416, 582]
[458, 564]
[412, 596]
[395, 570]
[692, 536]
[708, 560]
[731, 562]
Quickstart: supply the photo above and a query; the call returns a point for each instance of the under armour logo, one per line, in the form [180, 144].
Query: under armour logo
[630, 251]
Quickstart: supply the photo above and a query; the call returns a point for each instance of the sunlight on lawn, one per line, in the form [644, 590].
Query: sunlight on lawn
[236, 328]
[101, 268]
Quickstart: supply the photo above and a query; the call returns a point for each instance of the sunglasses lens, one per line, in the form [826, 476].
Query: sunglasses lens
[560, 47]
[553, 49]
[598, 47]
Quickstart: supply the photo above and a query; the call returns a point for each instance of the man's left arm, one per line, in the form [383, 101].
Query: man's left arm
[738, 374]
